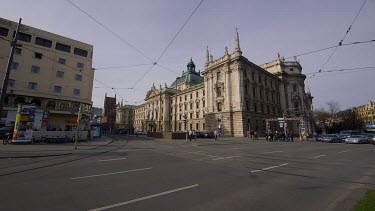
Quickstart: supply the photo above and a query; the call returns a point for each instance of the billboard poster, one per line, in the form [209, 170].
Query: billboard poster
[24, 124]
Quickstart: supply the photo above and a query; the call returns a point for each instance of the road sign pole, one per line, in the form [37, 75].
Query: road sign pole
[78, 123]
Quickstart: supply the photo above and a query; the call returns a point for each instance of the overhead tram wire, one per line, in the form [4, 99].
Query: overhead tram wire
[118, 67]
[340, 73]
[340, 43]
[112, 32]
[342, 70]
[170, 43]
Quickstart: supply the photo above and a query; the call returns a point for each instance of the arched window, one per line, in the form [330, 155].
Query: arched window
[51, 105]
[19, 100]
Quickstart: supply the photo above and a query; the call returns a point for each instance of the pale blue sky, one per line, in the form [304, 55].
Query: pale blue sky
[265, 27]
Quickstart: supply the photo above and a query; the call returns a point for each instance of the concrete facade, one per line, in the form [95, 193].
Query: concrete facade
[50, 71]
[234, 95]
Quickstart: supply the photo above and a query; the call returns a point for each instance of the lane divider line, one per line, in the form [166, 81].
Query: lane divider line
[226, 158]
[119, 172]
[112, 159]
[343, 151]
[318, 156]
[271, 152]
[271, 167]
[144, 198]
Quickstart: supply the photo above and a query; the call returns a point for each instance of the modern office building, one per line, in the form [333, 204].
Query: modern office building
[232, 94]
[50, 71]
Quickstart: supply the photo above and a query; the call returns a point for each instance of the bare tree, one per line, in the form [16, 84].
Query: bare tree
[333, 107]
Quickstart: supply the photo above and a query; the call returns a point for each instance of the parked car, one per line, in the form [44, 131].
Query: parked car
[331, 138]
[200, 135]
[5, 130]
[319, 138]
[371, 138]
[357, 139]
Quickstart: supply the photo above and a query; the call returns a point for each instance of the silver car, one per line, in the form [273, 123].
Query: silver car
[356, 139]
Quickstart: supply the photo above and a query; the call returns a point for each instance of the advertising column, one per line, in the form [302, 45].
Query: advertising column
[24, 124]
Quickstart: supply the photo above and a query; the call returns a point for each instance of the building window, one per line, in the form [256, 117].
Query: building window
[80, 52]
[11, 82]
[191, 106]
[185, 107]
[294, 88]
[191, 96]
[23, 37]
[268, 109]
[197, 115]
[219, 107]
[57, 89]
[255, 107]
[191, 115]
[261, 108]
[78, 77]
[32, 85]
[218, 76]
[254, 91]
[62, 61]
[247, 105]
[197, 104]
[291, 69]
[204, 93]
[260, 94]
[76, 91]
[218, 92]
[38, 55]
[196, 94]
[15, 65]
[246, 89]
[60, 74]
[180, 117]
[43, 42]
[35, 69]
[4, 32]
[196, 126]
[18, 51]
[185, 97]
[252, 76]
[204, 103]
[260, 79]
[63, 47]
[204, 126]
[79, 65]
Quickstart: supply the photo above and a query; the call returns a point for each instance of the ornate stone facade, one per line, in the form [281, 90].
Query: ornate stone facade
[232, 94]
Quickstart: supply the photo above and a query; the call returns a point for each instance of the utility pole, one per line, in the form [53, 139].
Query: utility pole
[78, 123]
[9, 66]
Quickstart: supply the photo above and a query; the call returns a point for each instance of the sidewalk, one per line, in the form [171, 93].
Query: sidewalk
[48, 150]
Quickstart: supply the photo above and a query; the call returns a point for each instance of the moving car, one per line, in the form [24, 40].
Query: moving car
[371, 138]
[357, 139]
[331, 138]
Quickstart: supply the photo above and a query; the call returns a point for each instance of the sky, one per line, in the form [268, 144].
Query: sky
[265, 27]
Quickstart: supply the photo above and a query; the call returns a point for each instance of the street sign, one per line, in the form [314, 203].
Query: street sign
[281, 124]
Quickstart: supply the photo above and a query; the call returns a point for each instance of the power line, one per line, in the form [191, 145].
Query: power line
[340, 73]
[112, 32]
[345, 69]
[340, 43]
[124, 66]
[170, 43]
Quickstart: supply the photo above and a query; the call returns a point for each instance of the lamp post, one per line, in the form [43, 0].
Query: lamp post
[175, 108]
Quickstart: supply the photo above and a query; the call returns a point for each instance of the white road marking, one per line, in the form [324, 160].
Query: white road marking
[206, 155]
[271, 152]
[182, 153]
[112, 159]
[319, 156]
[271, 167]
[226, 158]
[144, 198]
[343, 151]
[235, 148]
[120, 172]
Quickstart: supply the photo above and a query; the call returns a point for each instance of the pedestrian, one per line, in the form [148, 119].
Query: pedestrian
[190, 135]
[271, 136]
[291, 136]
[215, 134]
[255, 135]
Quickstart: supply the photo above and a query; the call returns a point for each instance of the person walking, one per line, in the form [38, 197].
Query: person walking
[255, 135]
[215, 134]
[190, 135]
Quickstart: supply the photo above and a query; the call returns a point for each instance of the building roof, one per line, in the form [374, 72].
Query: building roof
[189, 76]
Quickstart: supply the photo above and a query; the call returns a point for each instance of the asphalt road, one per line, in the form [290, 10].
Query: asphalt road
[133, 173]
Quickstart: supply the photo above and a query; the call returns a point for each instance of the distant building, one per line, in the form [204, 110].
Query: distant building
[50, 71]
[365, 114]
[125, 117]
[232, 94]
[96, 114]
[109, 113]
